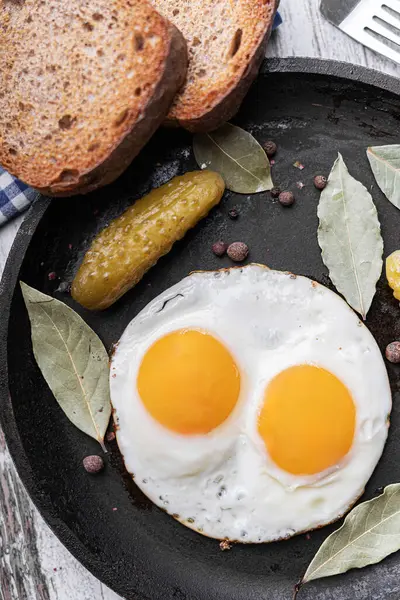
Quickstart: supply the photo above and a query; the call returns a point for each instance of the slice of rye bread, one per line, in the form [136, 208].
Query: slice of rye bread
[227, 40]
[83, 86]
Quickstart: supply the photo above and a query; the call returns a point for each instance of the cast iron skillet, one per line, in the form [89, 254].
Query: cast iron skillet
[312, 109]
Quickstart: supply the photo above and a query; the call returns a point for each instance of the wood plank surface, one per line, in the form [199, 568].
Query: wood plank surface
[33, 563]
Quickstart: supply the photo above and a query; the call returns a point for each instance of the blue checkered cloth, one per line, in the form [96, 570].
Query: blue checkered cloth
[278, 21]
[15, 196]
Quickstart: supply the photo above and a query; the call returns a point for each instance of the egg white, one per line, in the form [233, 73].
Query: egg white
[224, 484]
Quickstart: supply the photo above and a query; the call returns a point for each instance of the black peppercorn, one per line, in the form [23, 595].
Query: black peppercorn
[238, 251]
[320, 182]
[270, 148]
[392, 352]
[93, 463]
[219, 248]
[286, 198]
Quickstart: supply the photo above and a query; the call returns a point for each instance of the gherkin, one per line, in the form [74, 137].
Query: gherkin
[132, 243]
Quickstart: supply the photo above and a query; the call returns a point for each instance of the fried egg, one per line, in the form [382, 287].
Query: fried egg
[250, 404]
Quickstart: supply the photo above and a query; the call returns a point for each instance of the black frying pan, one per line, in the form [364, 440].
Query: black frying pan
[311, 109]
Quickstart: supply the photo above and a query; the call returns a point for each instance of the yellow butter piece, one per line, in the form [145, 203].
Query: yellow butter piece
[393, 273]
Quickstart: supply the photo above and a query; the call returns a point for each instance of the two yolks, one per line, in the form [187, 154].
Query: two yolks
[190, 384]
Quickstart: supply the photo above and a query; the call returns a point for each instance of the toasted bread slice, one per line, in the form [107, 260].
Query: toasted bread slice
[83, 86]
[227, 41]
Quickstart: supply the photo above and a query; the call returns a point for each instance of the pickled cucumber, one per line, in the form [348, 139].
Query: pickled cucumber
[122, 253]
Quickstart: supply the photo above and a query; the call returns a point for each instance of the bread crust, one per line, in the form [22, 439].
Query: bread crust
[230, 104]
[227, 100]
[63, 148]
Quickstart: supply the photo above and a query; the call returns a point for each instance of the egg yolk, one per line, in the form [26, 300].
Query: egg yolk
[307, 420]
[189, 382]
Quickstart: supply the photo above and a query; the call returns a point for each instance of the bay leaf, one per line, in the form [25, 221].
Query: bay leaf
[349, 236]
[370, 532]
[385, 165]
[237, 156]
[73, 362]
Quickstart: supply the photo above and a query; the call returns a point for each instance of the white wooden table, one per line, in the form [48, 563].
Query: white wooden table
[33, 563]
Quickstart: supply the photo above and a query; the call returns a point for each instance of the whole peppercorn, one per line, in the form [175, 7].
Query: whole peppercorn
[270, 148]
[275, 192]
[320, 182]
[219, 248]
[238, 251]
[93, 463]
[233, 213]
[110, 437]
[286, 198]
[392, 352]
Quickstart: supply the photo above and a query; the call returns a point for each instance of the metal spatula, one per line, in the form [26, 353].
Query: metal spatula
[373, 23]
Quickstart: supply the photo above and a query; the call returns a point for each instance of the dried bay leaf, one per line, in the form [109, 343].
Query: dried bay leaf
[73, 362]
[370, 532]
[385, 165]
[237, 156]
[349, 236]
